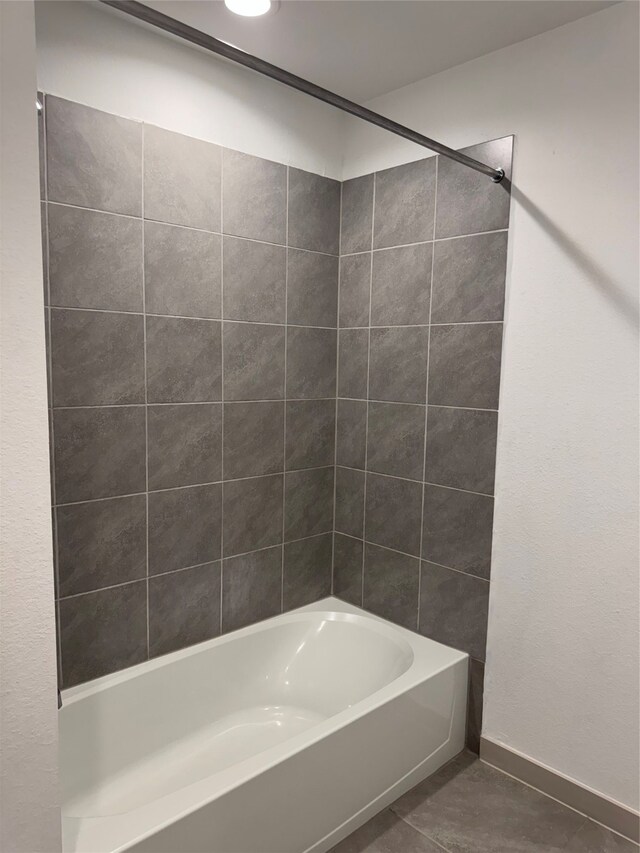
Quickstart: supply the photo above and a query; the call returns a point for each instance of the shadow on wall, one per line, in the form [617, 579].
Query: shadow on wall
[599, 277]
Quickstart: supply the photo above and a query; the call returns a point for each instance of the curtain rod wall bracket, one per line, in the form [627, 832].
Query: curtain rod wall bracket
[221, 48]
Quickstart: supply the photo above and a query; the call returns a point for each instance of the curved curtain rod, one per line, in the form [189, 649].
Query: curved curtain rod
[190, 34]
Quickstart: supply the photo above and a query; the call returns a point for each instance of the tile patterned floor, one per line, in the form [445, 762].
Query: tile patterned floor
[468, 807]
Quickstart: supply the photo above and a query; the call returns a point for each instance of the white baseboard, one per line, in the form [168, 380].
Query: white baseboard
[609, 813]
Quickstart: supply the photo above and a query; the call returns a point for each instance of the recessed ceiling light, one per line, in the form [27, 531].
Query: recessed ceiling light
[250, 8]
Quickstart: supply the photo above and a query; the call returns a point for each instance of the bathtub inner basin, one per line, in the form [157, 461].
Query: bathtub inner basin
[143, 735]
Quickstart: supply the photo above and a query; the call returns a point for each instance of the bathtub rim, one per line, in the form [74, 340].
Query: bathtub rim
[71, 695]
[200, 792]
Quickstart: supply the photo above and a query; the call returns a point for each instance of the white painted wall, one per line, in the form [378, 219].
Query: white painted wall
[29, 810]
[94, 56]
[562, 670]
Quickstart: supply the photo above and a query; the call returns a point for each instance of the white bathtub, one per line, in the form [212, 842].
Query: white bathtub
[282, 737]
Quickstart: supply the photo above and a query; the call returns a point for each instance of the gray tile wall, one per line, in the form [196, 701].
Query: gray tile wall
[421, 307]
[191, 301]
[234, 343]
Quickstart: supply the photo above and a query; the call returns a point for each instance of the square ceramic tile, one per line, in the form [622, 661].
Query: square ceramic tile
[461, 449]
[357, 214]
[101, 543]
[308, 503]
[253, 439]
[453, 609]
[184, 360]
[393, 509]
[253, 361]
[311, 363]
[181, 179]
[355, 287]
[391, 585]
[97, 358]
[404, 204]
[255, 277]
[251, 588]
[398, 364]
[184, 608]
[468, 201]
[252, 514]
[307, 570]
[451, 806]
[395, 442]
[349, 513]
[386, 833]
[347, 568]
[99, 452]
[184, 527]
[457, 530]
[314, 212]
[95, 259]
[184, 445]
[94, 159]
[182, 271]
[103, 631]
[353, 359]
[594, 838]
[469, 278]
[400, 286]
[464, 365]
[312, 289]
[254, 197]
[311, 427]
[351, 433]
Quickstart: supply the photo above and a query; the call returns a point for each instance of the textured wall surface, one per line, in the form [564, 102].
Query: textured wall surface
[562, 663]
[192, 304]
[92, 55]
[29, 795]
[422, 286]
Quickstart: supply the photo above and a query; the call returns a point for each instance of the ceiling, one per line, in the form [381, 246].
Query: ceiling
[364, 48]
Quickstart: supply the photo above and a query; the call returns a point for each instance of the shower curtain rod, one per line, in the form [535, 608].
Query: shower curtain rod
[177, 28]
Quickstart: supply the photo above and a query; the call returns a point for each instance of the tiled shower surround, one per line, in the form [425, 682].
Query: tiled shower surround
[192, 297]
[210, 314]
[421, 307]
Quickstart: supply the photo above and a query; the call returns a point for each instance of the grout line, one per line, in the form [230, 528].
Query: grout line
[197, 403]
[222, 389]
[418, 482]
[195, 485]
[335, 425]
[286, 359]
[220, 560]
[413, 557]
[366, 425]
[220, 233]
[146, 407]
[433, 240]
[261, 476]
[277, 325]
[416, 405]
[191, 317]
[420, 325]
[456, 489]
[426, 395]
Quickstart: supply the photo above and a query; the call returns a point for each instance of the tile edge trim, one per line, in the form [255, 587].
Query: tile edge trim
[597, 807]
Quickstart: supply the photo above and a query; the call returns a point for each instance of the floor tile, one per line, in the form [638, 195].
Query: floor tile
[593, 838]
[468, 807]
[386, 833]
